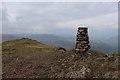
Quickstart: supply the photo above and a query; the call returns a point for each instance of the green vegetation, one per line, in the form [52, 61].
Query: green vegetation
[25, 45]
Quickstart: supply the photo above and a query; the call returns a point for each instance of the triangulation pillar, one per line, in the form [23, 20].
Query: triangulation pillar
[82, 40]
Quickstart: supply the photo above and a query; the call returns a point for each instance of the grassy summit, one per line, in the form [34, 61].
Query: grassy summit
[24, 46]
[26, 58]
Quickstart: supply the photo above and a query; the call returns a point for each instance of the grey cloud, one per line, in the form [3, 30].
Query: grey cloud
[43, 17]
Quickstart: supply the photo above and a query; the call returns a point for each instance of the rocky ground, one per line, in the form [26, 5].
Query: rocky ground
[61, 64]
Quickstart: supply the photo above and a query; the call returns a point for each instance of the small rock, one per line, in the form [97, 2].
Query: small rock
[15, 73]
[3, 73]
[17, 59]
[29, 66]
[111, 58]
[46, 70]
[89, 54]
[63, 64]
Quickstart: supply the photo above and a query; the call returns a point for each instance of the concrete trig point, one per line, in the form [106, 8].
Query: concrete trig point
[82, 40]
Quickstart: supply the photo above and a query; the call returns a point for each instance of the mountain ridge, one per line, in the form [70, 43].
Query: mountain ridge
[65, 42]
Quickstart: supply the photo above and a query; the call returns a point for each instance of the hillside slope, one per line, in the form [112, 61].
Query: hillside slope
[26, 58]
[24, 46]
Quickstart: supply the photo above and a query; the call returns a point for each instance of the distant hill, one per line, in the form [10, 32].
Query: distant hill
[66, 42]
[103, 47]
[6, 37]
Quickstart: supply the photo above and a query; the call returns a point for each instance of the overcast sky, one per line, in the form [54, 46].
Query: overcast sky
[61, 18]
